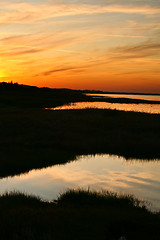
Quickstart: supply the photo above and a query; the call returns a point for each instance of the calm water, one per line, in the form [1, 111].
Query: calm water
[96, 172]
[147, 108]
[142, 97]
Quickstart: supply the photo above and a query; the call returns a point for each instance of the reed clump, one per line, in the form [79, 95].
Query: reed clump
[77, 214]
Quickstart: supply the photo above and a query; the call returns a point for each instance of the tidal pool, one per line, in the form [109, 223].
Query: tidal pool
[146, 108]
[97, 172]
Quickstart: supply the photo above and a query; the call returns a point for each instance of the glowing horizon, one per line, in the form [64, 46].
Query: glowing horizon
[104, 45]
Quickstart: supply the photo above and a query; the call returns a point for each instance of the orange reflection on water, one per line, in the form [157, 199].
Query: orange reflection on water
[146, 108]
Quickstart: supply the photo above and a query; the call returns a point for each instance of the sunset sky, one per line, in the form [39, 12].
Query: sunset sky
[109, 45]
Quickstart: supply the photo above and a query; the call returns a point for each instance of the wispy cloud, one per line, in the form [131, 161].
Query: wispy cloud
[123, 36]
[27, 12]
[47, 73]
[78, 68]
[142, 50]
[88, 42]
[112, 59]
[35, 43]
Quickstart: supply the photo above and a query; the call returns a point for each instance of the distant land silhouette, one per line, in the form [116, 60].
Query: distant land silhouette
[32, 96]
[16, 85]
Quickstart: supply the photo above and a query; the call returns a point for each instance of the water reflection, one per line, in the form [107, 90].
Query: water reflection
[147, 108]
[97, 172]
[133, 96]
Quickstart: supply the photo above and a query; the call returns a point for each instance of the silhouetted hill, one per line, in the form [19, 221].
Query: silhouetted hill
[13, 94]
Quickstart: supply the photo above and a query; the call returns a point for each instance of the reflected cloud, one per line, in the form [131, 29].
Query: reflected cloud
[96, 172]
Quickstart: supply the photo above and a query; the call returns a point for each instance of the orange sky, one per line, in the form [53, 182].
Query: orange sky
[104, 44]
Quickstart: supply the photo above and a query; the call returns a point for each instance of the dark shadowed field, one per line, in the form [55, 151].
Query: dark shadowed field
[32, 137]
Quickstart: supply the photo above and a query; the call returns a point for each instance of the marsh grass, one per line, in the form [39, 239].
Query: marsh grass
[40, 138]
[32, 137]
[101, 198]
[15, 199]
[77, 214]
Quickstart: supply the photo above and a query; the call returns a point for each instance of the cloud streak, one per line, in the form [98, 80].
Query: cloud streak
[142, 50]
[27, 12]
[47, 73]
[80, 45]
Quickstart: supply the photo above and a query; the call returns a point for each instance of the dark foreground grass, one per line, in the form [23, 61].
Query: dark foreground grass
[80, 215]
[88, 197]
[35, 138]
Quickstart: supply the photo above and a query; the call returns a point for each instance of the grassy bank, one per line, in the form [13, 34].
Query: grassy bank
[38, 138]
[77, 215]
